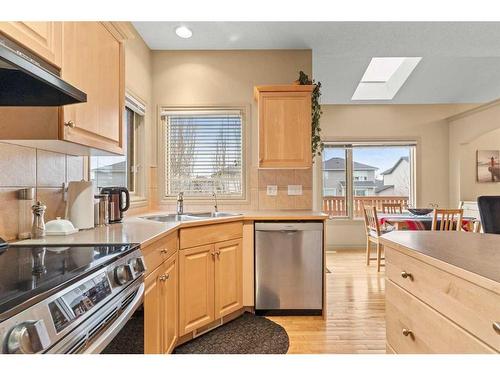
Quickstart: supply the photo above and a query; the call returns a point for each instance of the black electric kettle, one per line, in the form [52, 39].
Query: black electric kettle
[117, 205]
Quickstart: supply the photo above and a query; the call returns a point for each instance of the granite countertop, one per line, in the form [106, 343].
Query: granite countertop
[135, 229]
[473, 256]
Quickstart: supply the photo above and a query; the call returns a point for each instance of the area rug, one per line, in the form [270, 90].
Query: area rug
[248, 334]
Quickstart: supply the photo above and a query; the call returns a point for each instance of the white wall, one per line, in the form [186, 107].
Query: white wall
[425, 124]
[478, 129]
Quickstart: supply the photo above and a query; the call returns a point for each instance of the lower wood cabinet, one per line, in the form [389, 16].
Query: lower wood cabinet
[152, 313]
[210, 283]
[170, 305]
[430, 310]
[196, 287]
[161, 308]
[228, 277]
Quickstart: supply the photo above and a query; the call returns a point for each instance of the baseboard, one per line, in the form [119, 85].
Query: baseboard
[332, 248]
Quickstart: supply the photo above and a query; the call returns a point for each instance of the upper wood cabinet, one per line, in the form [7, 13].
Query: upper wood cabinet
[284, 126]
[42, 38]
[93, 61]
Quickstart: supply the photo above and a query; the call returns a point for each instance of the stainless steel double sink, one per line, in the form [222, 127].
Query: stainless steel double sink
[172, 218]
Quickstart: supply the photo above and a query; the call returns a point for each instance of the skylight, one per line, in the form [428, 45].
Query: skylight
[384, 76]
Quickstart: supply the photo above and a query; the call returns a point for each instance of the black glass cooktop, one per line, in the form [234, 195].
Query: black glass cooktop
[30, 273]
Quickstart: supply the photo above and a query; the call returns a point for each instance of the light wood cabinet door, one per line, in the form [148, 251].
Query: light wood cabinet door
[228, 277]
[153, 313]
[285, 129]
[196, 287]
[42, 38]
[93, 62]
[170, 319]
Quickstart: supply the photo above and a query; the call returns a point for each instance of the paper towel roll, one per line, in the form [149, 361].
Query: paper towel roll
[80, 204]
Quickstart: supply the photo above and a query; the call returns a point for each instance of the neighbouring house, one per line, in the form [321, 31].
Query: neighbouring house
[110, 175]
[395, 180]
[334, 177]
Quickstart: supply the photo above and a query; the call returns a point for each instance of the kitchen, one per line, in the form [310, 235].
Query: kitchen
[213, 224]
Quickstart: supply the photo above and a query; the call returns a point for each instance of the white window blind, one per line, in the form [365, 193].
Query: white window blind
[203, 153]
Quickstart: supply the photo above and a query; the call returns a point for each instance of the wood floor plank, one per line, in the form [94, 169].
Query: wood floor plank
[356, 311]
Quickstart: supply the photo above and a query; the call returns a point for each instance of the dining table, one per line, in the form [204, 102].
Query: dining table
[409, 221]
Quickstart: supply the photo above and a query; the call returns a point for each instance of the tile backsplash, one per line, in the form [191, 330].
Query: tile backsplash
[257, 193]
[29, 167]
[46, 171]
[282, 178]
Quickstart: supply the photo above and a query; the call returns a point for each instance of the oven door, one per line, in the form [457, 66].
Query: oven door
[94, 334]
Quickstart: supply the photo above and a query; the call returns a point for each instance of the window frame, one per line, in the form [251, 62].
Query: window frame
[348, 146]
[245, 149]
[139, 195]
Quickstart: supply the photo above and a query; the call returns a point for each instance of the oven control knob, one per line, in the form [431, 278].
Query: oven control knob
[138, 265]
[28, 338]
[123, 274]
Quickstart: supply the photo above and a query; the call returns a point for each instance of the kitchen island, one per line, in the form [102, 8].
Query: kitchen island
[442, 292]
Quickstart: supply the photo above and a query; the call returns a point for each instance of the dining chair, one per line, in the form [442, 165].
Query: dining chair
[489, 209]
[444, 219]
[373, 233]
[392, 208]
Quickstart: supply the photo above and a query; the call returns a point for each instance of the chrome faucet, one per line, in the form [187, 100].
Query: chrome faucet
[180, 203]
[215, 199]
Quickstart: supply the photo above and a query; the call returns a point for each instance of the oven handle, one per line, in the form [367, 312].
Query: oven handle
[109, 334]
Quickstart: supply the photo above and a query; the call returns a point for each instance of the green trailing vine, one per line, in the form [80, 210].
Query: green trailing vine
[316, 143]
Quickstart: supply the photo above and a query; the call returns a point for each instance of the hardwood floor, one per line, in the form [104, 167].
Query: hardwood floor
[356, 310]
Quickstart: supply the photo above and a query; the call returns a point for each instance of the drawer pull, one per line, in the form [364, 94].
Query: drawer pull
[406, 275]
[407, 332]
[164, 277]
[496, 327]
[163, 251]
[70, 124]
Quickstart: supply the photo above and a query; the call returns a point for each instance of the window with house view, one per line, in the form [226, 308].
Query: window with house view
[373, 174]
[203, 153]
[123, 170]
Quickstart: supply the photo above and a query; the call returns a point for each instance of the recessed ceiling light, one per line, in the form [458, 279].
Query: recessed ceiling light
[183, 32]
[384, 76]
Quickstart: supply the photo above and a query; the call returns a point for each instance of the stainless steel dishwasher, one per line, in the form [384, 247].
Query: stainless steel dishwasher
[289, 268]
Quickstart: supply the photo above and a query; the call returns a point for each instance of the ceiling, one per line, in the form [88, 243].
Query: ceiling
[460, 60]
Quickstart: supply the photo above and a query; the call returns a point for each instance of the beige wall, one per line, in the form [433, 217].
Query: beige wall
[425, 124]
[218, 78]
[471, 131]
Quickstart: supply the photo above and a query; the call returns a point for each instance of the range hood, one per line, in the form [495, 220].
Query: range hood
[26, 80]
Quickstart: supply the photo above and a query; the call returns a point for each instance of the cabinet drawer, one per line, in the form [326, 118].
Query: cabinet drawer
[470, 306]
[159, 251]
[430, 331]
[207, 234]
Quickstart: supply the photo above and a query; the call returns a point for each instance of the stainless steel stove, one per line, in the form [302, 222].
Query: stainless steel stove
[67, 299]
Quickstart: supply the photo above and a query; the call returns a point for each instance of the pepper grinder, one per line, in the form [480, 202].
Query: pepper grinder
[38, 228]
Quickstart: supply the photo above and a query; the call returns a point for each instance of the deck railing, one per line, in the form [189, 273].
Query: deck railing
[336, 205]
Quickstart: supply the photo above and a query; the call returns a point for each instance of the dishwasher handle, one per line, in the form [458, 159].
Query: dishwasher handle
[288, 226]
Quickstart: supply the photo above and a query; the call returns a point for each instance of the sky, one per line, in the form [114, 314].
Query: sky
[380, 157]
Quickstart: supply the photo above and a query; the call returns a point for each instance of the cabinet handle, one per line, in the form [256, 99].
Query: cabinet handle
[70, 124]
[407, 332]
[496, 327]
[406, 275]
[164, 277]
[163, 251]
